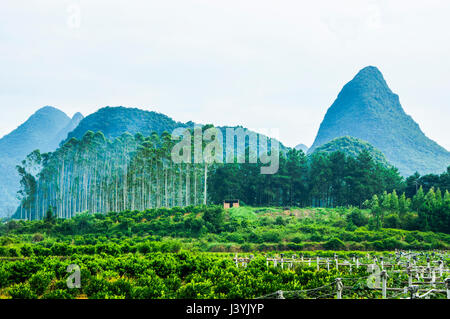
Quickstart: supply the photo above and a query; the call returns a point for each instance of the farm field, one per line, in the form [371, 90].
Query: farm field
[208, 252]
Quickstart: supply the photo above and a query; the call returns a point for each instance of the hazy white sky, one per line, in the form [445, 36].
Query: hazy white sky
[256, 63]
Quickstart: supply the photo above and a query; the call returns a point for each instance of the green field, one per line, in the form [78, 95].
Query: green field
[188, 253]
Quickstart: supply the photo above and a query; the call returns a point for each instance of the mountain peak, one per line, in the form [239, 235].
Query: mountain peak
[367, 109]
[77, 117]
[48, 110]
[370, 71]
[369, 81]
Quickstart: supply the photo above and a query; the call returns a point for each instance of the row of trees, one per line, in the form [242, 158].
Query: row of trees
[321, 179]
[393, 211]
[136, 173]
[98, 175]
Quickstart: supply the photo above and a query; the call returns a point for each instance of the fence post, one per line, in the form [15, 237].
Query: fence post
[409, 272]
[441, 268]
[282, 261]
[318, 263]
[447, 283]
[384, 283]
[328, 265]
[337, 263]
[339, 288]
[432, 275]
[357, 262]
[413, 290]
[236, 258]
[382, 263]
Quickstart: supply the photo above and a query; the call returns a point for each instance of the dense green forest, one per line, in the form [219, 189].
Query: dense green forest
[98, 175]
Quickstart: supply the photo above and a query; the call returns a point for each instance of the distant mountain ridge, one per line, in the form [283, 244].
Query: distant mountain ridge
[41, 131]
[114, 121]
[367, 109]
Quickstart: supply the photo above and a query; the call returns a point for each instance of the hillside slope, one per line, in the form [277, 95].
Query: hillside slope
[38, 132]
[352, 146]
[366, 108]
[114, 121]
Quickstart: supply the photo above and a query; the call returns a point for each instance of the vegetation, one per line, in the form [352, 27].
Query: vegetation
[188, 252]
[237, 229]
[353, 146]
[367, 109]
[99, 175]
[321, 179]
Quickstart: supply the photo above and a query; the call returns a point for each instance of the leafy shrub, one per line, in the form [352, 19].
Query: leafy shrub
[21, 291]
[334, 243]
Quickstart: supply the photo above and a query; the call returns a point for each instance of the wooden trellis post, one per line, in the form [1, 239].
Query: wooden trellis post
[413, 291]
[409, 272]
[447, 283]
[280, 294]
[318, 263]
[384, 283]
[433, 279]
[339, 288]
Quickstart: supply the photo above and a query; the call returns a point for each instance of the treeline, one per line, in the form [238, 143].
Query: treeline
[393, 211]
[100, 175]
[324, 180]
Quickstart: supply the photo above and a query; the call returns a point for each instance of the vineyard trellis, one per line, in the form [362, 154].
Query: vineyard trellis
[427, 275]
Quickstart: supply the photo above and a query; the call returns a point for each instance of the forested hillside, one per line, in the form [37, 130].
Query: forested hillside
[367, 109]
[115, 121]
[352, 146]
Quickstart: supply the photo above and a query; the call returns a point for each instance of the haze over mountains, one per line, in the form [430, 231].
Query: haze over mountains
[44, 130]
[365, 111]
